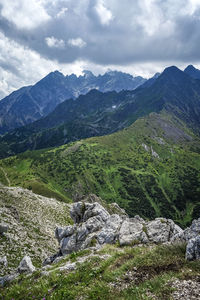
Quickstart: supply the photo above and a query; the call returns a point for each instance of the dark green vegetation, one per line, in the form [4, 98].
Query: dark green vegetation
[151, 169]
[97, 113]
[129, 273]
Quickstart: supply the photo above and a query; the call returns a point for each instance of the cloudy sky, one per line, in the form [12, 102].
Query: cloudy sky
[137, 36]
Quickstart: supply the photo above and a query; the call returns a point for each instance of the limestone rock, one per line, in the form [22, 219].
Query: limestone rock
[68, 244]
[193, 231]
[110, 233]
[94, 226]
[132, 231]
[161, 230]
[193, 249]
[82, 211]
[189, 233]
[60, 233]
[26, 265]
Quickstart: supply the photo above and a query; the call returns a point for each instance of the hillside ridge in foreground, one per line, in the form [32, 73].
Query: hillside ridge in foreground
[112, 271]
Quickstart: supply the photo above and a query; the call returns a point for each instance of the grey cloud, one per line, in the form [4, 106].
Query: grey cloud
[7, 66]
[125, 40]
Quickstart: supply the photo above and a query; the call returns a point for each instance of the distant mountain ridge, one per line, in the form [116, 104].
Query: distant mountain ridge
[31, 103]
[98, 113]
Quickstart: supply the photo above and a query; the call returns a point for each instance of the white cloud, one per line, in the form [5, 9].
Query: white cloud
[78, 42]
[141, 35]
[52, 42]
[192, 6]
[30, 66]
[105, 15]
[24, 14]
[62, 12]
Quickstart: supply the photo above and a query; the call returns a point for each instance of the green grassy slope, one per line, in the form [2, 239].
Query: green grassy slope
[151, 168]
[31, 221]
[126, 273]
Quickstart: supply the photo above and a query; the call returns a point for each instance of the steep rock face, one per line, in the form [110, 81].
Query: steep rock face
[94, 226]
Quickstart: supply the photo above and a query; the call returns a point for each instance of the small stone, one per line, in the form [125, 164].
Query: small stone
[3, 261]
[26, 265]
[3, 228]
[7, 278]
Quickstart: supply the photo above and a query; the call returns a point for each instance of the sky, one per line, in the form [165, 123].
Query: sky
[140, 37]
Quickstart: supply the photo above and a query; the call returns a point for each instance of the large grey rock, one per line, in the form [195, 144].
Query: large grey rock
[68, 244]
[193, 249]
[60, 233]
[132, 231]
[161, 230]
[89, 218]
[95, 223]
[26, 265]
[193, 231]
[189, 233]
[110, 232]
[82, 211]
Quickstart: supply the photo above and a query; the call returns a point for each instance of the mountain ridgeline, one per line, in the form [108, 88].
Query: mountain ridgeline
[30, 103]
[97, 113]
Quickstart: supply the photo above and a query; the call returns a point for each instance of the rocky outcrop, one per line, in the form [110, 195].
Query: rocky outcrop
[191, 236]
[95, 226]
[25, 266]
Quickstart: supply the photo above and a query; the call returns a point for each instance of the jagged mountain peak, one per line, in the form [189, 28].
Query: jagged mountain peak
[174, 75]
[172, 70]
[54, 74]
[192, 72]
[88, 74]
[189, 67]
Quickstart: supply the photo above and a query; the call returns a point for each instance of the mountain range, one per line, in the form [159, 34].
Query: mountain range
[147, 158]
[97, 113]
[30, 103]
